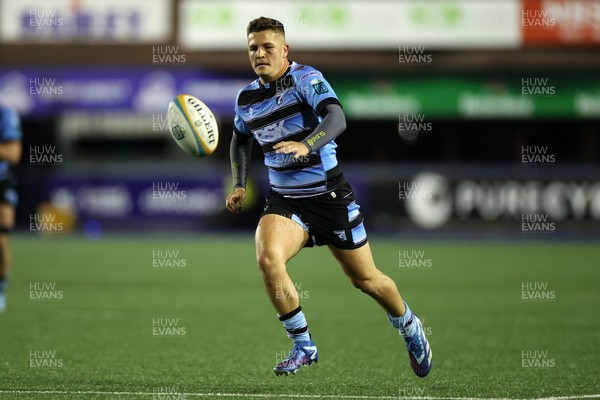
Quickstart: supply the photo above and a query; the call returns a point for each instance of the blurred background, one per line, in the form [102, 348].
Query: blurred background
[466, 118]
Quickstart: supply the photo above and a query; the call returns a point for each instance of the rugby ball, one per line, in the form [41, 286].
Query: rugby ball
[192, 125]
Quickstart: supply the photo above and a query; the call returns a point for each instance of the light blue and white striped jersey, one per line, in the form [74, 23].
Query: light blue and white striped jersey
[289, 109]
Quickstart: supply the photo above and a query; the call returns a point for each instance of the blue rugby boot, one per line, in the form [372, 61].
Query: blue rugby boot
[419, 351]
[301, 354]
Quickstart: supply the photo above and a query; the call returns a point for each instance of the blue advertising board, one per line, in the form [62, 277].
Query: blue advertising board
[43, 91]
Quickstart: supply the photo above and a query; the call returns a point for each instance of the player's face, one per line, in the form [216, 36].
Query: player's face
[268, 54]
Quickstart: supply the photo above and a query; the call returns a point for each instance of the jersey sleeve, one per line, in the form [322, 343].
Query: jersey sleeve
[315, 90]
[10, 125]
[239, 125]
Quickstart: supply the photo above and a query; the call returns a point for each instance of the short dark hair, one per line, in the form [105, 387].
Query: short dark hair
[265, 24]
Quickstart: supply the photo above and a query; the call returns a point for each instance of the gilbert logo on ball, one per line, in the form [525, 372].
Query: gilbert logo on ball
[193, 125]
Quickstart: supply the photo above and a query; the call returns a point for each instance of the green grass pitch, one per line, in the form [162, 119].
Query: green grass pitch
[89, 331]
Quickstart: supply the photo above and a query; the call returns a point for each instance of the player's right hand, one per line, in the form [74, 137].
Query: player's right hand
[235, 200]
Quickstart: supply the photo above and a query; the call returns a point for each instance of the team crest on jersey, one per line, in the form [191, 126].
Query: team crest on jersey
[319, 86]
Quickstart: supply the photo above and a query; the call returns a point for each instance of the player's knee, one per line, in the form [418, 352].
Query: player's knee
[365, 285]
[269, 261]
[372, 284]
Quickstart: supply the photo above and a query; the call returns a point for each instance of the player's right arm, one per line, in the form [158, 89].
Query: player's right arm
[239, 153]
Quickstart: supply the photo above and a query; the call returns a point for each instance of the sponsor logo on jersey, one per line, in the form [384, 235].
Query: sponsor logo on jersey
[270, 131]
[311, 73]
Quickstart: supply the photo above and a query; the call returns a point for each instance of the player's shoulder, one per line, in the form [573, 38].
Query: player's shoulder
[251, 86]
[254, 85]
[300, 72]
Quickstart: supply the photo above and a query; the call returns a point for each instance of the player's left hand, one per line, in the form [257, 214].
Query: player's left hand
[298, 149]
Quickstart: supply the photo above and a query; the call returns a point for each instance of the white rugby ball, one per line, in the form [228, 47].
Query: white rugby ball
[192, 125]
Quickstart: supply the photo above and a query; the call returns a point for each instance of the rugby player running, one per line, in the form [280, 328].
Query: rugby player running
[294, 115]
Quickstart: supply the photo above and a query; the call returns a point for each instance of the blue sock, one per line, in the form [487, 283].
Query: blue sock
[398, 322]
[296, 326]
[3, 283]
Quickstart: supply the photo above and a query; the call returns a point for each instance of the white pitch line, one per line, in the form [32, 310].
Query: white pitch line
[216, 394]
[288, 396]
[581, 396]
[573, 397]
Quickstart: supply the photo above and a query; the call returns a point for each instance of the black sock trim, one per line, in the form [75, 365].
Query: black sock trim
[298, 331]
[290, 314]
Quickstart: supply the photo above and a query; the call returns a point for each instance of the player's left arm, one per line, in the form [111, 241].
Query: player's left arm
[332, 125]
